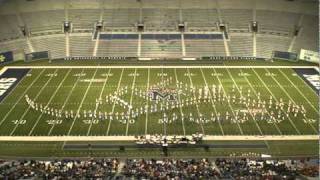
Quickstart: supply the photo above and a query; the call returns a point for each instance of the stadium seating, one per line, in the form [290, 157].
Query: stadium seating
[161, 48]
[121, 17]
[266, 44]
[275, 32]
[200, 17]
[81, 44]
[160, 19]
[198, 48]
[55, 44]
[120, 48]
[241, 44]
[237, 19]
[18, 45]
[280, 22]
[308, 38]
[43, 20]
[83, 19]
[11, 29]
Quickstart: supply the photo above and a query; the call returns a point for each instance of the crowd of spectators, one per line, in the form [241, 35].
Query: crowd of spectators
[169, 168]
[265, 169]
[230, 168]
[71, 169]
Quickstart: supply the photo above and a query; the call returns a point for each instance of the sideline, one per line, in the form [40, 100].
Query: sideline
[155, 67]
[132, 138]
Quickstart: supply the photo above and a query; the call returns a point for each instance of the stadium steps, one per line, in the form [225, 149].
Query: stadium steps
[67, 45]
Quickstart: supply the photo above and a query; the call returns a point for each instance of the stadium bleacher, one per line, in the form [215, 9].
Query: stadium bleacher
[266, 44]
[11, 30]
[237, 19]
[309, 34]
[200, 17]
[81, 45]
[83, 19]
[120, 17]
[279, 22]
[198, 48]
[43, 21]
[241, 44]
[275, 32]
[55, 44]
[118, 48]
[160, 19]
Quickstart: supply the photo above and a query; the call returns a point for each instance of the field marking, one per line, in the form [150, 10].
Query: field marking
[254, 120]
[224, 92]
[290, 120]
[100, 96]
[211, 100]
[80, 106]
[4, 69]
[15, 87]
[256, 94]
[22, 95]
[67, 99]
[51, 98]
[133, 138]
[27, 110]
[315, 109]
[289, 96]
[179, 99]
[157, 67]
[194, 95]
[131, 97]
[147, 113]
[114, 103]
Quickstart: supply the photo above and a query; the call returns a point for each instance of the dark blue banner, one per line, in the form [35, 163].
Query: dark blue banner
[9, 79]
[37, 56]
[6, 57]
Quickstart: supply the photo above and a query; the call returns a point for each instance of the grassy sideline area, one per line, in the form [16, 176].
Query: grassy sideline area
[278, 149]
[61, 62]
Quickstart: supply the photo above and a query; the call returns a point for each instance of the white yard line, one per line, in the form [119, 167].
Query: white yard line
[131, 97]
[256, 94]
[133, 138]
[22, 96]
[311, 105]
[211, 100]
[194, 95]
[100, 96]
[3, 70]
[166, 67]
[27, 110]
[51, 98]
[79, 108]
[288, 95]
[179, 99]
[147, 113]
[114, 103]
[293, 125]
[67, 99]
[254, 120]
[232, 110]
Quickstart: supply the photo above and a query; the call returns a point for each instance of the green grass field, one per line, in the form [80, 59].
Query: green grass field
[77, 89]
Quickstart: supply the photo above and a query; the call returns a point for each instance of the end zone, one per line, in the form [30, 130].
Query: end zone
[9, 78]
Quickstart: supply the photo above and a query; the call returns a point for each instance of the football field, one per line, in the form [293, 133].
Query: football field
[118, 101]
